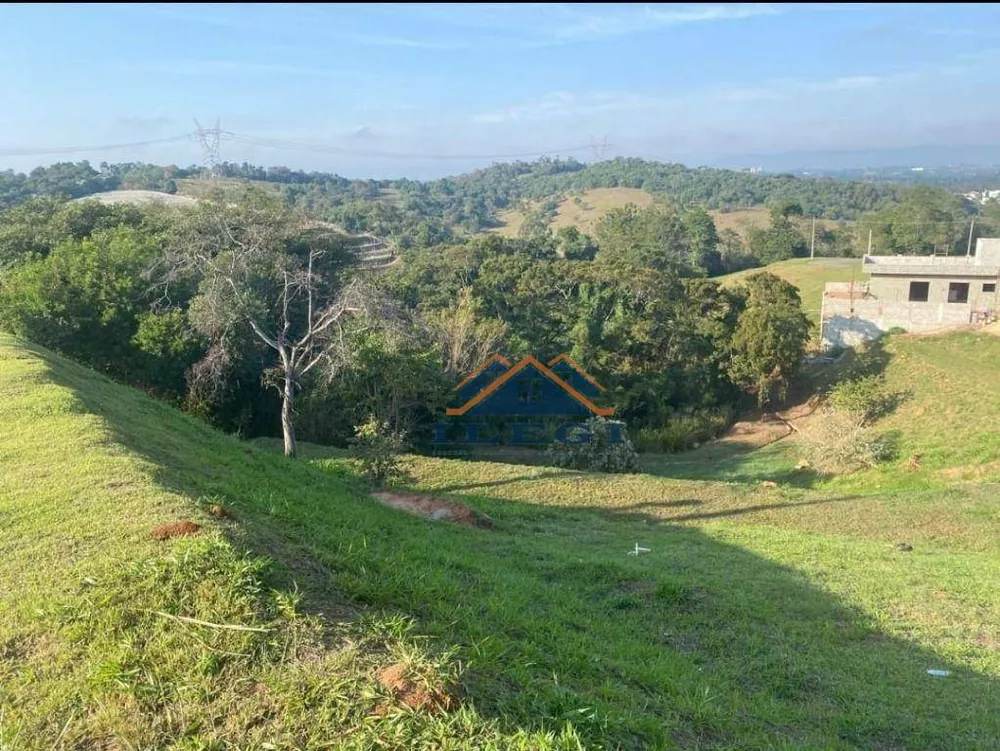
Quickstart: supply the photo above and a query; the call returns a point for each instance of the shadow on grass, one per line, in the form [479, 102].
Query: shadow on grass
[696, 643]
[734, 462]
[499, 483]
[632, 512]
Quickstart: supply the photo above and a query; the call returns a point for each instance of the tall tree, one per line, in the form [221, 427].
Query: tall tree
[256, 271]
[770, 337]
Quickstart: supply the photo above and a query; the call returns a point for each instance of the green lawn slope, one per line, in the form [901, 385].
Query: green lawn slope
[759, 618]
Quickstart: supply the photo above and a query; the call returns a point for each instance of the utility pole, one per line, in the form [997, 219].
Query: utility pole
[869, 242]
[812, 245]
[968, 250]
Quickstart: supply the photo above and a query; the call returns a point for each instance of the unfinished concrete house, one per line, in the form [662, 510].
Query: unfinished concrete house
[915, 293]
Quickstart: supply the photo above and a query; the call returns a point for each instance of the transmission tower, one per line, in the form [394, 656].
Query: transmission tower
[209, 139]
[600, 148]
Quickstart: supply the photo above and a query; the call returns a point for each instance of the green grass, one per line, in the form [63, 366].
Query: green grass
[810, 276]
[761, 618]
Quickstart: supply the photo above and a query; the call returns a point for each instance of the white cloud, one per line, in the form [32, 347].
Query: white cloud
[546, 24]
[629, 21]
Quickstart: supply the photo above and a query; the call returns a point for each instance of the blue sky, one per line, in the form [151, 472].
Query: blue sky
[700, 84]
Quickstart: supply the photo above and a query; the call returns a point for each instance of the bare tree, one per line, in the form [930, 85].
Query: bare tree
[463, 337]
[253, 267]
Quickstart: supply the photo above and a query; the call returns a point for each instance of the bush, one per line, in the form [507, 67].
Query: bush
[683, 431]
[599, 453]
[865, 399]
[376, 449]
[838, 442]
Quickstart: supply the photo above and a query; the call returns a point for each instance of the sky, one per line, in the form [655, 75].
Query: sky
[385, 90]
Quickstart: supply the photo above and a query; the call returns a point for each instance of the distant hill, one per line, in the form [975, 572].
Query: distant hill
[425, 213]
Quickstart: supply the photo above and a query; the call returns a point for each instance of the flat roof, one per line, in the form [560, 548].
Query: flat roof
[928, 266]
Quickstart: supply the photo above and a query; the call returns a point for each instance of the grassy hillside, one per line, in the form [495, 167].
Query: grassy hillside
[810, 276]
[583, 210]
[760, 617]
[742, 221]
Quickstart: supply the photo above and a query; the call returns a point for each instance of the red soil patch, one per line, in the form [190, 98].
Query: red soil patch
[434, 508]
[414, 696]
[177, 529]
[219, 512]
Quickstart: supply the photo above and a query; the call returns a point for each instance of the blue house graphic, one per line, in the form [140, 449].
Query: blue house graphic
[529, 388]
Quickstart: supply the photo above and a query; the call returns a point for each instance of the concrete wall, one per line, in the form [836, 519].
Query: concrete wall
[896, 289]
[988, 251]
[846, 323]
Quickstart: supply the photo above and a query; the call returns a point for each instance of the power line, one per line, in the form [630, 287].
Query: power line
[85, 149]
[335, 149]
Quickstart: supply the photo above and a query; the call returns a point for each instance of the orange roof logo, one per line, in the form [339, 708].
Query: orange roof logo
[530, 388]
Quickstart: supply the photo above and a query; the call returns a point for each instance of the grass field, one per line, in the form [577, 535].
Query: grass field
[742, 220]
[760, 618]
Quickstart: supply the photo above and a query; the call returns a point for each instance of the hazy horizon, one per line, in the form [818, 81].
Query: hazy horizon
[429, 90]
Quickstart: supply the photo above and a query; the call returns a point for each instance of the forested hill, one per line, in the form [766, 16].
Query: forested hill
[706, 187]
[472, 200]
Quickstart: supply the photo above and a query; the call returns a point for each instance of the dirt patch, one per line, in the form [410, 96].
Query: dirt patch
[396, 679]
[219, 512]
[757, 433]
[434, 508]
[177, 529]
[799, 411]
[970, 471]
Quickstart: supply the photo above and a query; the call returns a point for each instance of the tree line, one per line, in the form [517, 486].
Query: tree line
[248, 315]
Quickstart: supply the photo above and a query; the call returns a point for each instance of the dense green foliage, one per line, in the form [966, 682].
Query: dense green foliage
[635, 303]
[770, 337]
[166, 300]
[607, 448]
[865, 399]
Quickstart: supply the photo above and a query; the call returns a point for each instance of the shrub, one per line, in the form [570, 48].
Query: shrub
[839, 442]
[376, 449]
[683, 431]
[865, 399]
[598, 453]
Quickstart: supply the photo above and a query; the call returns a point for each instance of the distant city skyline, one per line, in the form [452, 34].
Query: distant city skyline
[400, 90]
